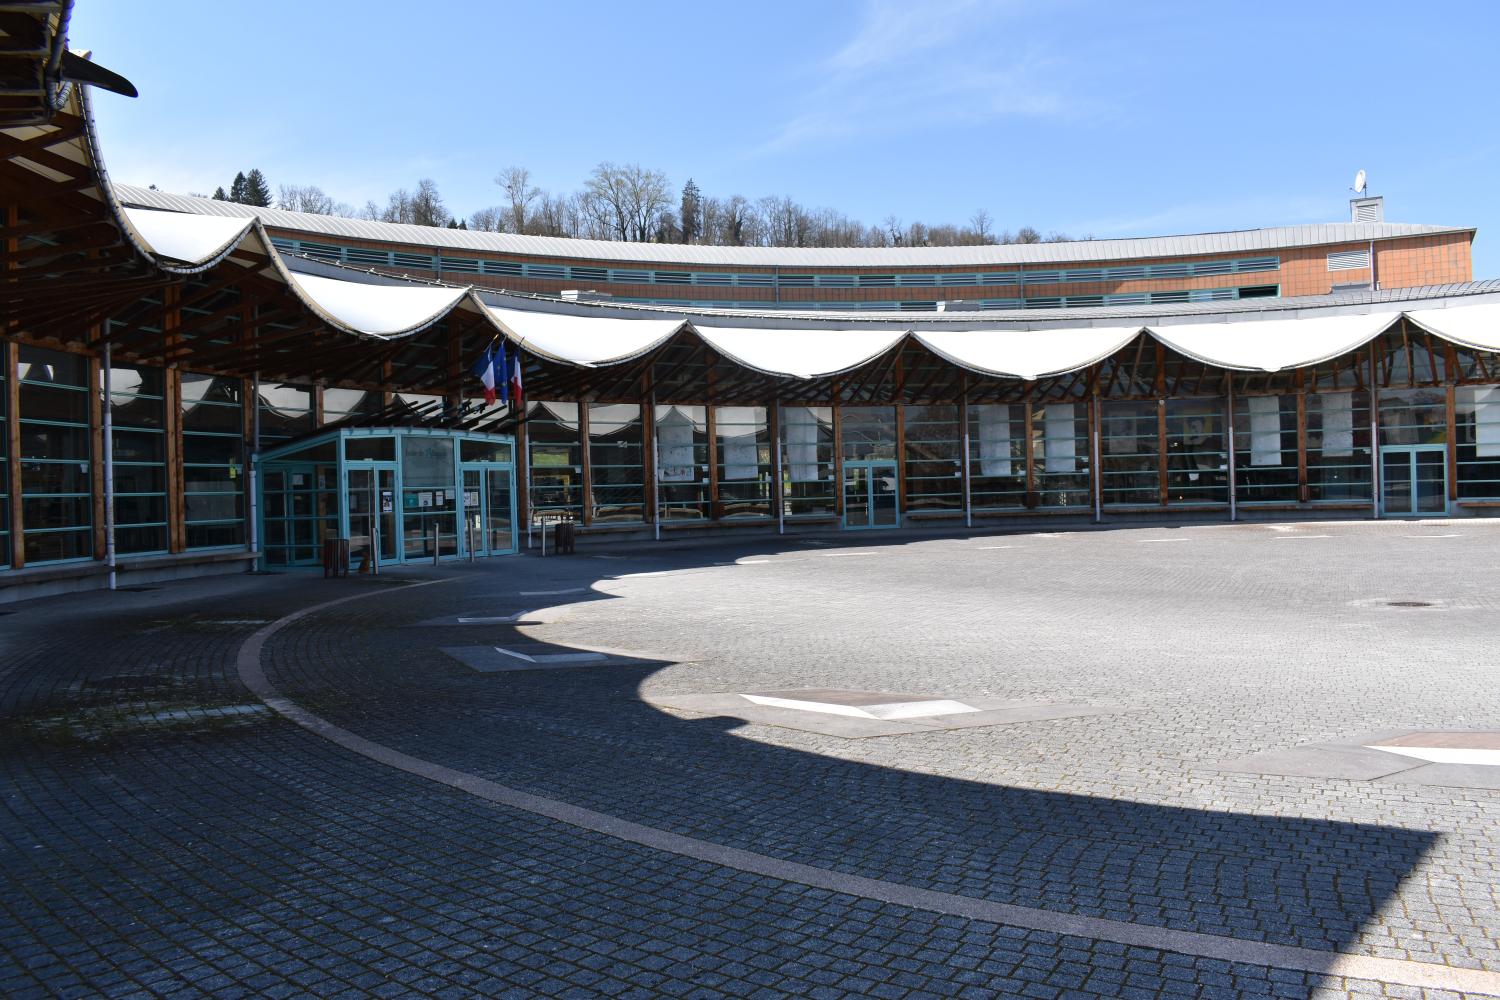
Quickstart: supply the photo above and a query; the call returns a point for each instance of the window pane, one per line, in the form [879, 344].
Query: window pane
[1131, 461]
[807, 460]
[1197, 464]
[934, 462]
[1265, 449]
[615, 462]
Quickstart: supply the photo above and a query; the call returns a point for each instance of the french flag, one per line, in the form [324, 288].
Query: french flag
[515, 378]
[491, 369]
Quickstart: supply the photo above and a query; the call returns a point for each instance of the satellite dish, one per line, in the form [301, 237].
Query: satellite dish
[1359, 182]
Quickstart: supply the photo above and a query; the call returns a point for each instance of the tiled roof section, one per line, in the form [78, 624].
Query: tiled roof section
[1200, 244]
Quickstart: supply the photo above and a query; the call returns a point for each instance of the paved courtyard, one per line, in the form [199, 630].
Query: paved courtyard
[1206, 761]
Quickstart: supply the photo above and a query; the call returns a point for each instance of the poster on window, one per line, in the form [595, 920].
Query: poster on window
[1338, 424]
[1265, 430]
[674, 447]
[1486, 421]
[802, 443]
[994, 439]
[1060, 449]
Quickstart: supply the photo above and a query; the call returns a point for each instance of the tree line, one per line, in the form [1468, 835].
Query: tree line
[631, 203]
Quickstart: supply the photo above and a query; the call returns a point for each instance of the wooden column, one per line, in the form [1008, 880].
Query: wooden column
[587, 500]
[317, 404]
[12, 408]
[648, 459]
[96, 454]
[711, 429]
[523, 475]
[838, 458]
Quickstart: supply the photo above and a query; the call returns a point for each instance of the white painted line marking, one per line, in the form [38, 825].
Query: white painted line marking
[495, 619]
[550, 593]
[1445, 755]
[752, 562]
[1454, 535]
[1151, 541]
[552, 657]
[1282, 538]
[999, 546]
[843, 555]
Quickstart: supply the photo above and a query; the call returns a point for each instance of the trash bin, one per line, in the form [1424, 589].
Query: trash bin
[335, 557]
[567, 535]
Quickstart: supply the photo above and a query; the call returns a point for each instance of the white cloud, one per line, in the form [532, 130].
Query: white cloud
[912, 66]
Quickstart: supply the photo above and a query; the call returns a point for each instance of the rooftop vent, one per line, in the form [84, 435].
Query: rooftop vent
[1367, 209]
[575, 295]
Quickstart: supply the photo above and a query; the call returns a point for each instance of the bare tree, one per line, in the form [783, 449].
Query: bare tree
[310, 198]
[1027, 234]
[981, 223]
[427, 206]
[516, 181]
[628, 198]
[488, 220]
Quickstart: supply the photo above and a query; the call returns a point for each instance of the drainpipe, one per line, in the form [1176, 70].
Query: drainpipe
[109, 469]
[1374, 275]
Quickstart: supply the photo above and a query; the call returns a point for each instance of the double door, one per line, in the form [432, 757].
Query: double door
[489, 507]
[370, 491]
[872, 497]
[1413, 479]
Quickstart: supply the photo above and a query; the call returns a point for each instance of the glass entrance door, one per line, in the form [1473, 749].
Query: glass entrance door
[1414, 480]
[872, 497]
[370, 492]
[489, 511]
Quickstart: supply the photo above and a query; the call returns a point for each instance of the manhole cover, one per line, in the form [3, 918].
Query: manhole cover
[1408, 604]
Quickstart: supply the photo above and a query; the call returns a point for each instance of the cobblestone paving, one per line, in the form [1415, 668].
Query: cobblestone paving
[165, 835]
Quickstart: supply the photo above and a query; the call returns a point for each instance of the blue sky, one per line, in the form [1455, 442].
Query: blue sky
[1101, 118]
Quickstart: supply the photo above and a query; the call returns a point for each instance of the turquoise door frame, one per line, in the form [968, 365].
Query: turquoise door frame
[481, 539]
[1414, 480]
[874, 486]
[392, 549]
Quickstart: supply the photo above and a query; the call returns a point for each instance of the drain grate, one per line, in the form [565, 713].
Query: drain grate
[1408, 604]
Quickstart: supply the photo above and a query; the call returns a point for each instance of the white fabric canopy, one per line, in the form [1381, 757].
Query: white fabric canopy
[1475, 327]
[800, 353]
[1273, 345]
[1027, 354]
[378, 310]
[192, 239]
[583, 340]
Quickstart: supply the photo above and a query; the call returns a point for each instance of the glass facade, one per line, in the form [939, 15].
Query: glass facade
[1131, 473]
[1265, 449]
[743, 453]
[1060, 455]
[286, 411]
[1477, 423]
[555, 453]
[1338, 447]
[137, 403]
[616, 468]
[213, 461]
[56, 455]
[807, 461]
[395, 493]
[682, 462]
[1197, 460]
[934, 458]
[997, 456]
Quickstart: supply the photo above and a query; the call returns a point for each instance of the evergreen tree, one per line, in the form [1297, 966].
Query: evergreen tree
[237, 188]
[219, 194]
[257, 191]
[692, 212]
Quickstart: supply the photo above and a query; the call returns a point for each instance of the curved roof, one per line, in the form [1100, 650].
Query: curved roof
[1197, 244]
